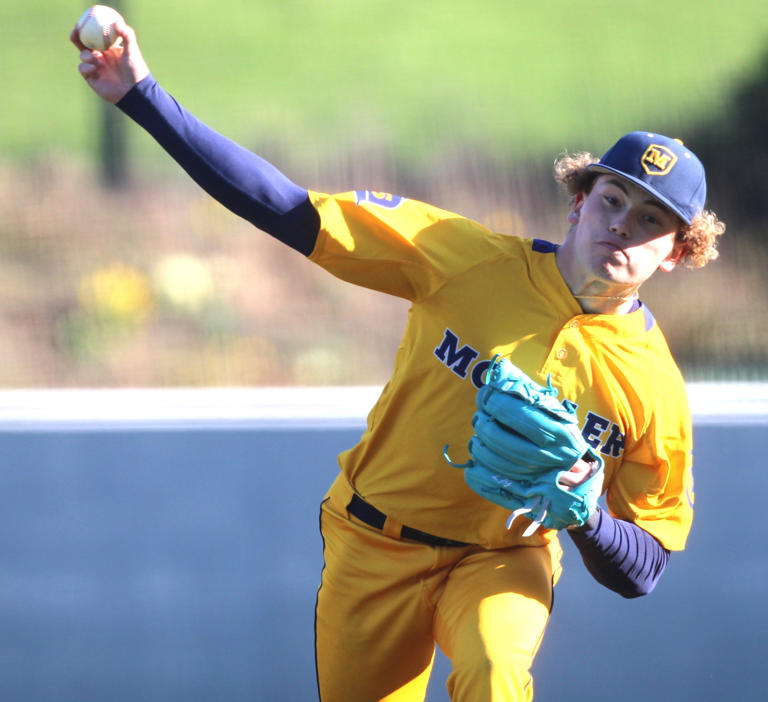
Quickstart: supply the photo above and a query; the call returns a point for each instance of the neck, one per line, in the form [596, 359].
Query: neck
[596, 296]
[606, 304]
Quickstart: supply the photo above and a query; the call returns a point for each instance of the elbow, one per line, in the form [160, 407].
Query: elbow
[629, 586]
[633, 590]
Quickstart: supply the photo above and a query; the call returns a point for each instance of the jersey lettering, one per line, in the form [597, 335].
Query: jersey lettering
[478, 373]
[614, 445]
[457, 359]
[460, 358]
[380, 199]
[593, 430]
[594, 426]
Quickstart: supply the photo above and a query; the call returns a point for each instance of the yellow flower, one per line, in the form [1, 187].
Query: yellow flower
[117, 292]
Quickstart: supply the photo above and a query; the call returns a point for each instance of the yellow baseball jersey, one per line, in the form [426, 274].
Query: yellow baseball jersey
[475, 294]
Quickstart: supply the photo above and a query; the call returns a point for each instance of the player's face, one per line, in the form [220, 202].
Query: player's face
[620, 237]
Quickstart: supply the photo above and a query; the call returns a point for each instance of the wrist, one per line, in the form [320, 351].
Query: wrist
[592, 521]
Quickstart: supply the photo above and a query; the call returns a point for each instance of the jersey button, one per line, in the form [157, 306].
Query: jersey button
[574, 324]
[560, 354]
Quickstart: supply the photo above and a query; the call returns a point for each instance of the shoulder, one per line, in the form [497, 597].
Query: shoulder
[666, 389]
[362, 214]
[381, 205]
[658, 347]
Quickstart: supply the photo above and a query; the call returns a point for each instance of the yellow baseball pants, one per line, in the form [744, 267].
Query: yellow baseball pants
[384, 602]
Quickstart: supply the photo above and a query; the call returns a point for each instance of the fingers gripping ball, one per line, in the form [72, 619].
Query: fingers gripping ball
[524, 440]
[96, 27]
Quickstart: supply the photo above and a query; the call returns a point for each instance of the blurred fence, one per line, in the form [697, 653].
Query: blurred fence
[163, 546]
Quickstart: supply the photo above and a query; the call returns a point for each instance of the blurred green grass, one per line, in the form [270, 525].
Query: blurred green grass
[512, 78]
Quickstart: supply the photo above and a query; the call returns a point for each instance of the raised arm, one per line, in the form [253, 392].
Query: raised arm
[240, 180]
[111, 74]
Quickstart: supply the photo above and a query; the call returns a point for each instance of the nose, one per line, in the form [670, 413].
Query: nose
[620, 225]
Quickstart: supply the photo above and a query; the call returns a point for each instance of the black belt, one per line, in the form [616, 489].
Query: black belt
[372, 517]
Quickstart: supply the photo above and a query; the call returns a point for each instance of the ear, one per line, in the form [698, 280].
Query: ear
[576, 204]
[670, 262]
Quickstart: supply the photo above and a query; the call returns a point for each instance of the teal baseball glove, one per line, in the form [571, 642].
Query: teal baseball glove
[524, 440]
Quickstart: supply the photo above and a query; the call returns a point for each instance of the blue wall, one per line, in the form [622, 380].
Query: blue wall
[169, 565]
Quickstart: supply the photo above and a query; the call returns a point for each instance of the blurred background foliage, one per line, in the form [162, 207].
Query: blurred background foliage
[121, 273]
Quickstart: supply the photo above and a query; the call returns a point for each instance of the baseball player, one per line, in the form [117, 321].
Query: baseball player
[415, 556]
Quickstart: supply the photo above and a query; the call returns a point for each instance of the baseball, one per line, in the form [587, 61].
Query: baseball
[96, 27]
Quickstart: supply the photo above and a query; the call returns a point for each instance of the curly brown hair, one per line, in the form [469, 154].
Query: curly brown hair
[699, 237]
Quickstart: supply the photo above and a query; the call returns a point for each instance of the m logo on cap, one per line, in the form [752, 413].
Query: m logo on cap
[658, 160]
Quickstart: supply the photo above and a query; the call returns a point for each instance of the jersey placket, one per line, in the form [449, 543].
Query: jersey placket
[565, 351]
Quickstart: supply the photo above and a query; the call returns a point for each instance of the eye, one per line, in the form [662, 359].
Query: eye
[611, 199]
[651, 219]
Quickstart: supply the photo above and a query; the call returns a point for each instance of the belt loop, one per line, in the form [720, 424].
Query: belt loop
[392, 528]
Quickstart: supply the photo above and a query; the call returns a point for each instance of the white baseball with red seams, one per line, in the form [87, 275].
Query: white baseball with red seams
[96, 27]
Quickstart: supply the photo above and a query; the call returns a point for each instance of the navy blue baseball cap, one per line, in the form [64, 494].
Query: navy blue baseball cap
[661, 166]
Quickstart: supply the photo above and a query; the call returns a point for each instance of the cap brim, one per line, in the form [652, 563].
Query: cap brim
[642, 184]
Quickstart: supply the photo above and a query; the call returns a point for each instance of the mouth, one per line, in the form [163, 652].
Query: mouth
[609, 246]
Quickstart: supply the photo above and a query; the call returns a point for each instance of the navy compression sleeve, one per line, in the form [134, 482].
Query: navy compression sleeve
[240, 180]
[620, 555]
